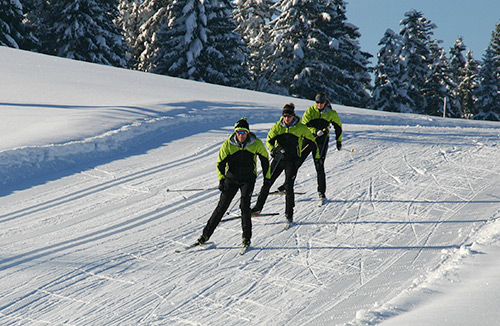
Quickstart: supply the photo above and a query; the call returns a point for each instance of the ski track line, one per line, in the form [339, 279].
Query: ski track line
[278, 281]
[257, 281]
[30, 298]
[355, 287]
[153, 309]
[466, 200]
[305, 252]
[63, 297]
[455, 211]
[132, 201]
[99, 188]
[92, 190]
[83, 218]
[310, 266]
[416, 240]
[146, 217]
[201, 295]
[31, 320]
[296, 236]
[144, 286]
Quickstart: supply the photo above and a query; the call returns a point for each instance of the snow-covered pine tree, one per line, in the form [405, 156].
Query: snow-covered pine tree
[457, 59]
[152, 14]
[468, 86]
[252, 19]
[316, 49]
[35, 16]
[457, 66]
[13, 32]
[439, 86]
[416, 33]
[129, 21]
[495, 48]
[84, 30]
[389, 91]
[199, 43]
[488, 93]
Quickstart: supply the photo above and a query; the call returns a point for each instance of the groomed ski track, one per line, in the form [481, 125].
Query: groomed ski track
[100, 243]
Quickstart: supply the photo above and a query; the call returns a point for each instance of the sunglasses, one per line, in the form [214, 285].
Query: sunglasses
[320, 102]
[287, 115]
[241, 132]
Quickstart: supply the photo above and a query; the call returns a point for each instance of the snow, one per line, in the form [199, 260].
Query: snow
[89, 154]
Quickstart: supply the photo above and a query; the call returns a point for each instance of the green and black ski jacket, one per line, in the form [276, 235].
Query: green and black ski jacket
[321, 120]
[289, 138]
[238, 161]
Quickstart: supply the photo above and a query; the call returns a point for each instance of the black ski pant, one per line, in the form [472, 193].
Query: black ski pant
[231, 187]
[278, 166]
[319, 163]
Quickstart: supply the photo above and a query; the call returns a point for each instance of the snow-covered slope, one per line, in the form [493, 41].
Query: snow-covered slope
[89, 157]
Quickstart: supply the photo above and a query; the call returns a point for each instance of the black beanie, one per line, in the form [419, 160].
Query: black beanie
[242, 124]
[289, 109]
[320, 97]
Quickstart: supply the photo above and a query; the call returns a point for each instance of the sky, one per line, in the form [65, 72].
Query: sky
[473, 20]
[94, 166]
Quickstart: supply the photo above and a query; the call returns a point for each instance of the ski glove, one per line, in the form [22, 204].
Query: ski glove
[221, 185]
[277, 152]
[339, 145]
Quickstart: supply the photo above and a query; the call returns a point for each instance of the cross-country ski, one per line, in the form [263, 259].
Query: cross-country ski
[287, 225]
[236, 217]
[243, 250]
[280, 193]
[196, 246]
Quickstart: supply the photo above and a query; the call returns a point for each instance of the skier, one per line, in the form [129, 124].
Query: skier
[285, 142]
[237, 169]
[318, 117]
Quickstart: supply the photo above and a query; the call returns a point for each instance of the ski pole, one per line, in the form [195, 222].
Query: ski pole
[277, 162]
[191, 189]
[323, 148]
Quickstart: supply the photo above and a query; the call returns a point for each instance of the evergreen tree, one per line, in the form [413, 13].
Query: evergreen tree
[488, 94]
[151, 15]
[457, 58]
[252, 18]
[495, 48]
[439, 86]
[389, 92]
[199, 43]
[36, 14]
[465, 71]
[84, 30]
[129, 21]
[457, 66]
[315, 49]
[468, 86]
[13, 32]
[416, 52]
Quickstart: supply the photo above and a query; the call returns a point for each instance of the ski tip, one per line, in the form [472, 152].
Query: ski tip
[243, 250]
[206, 245]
